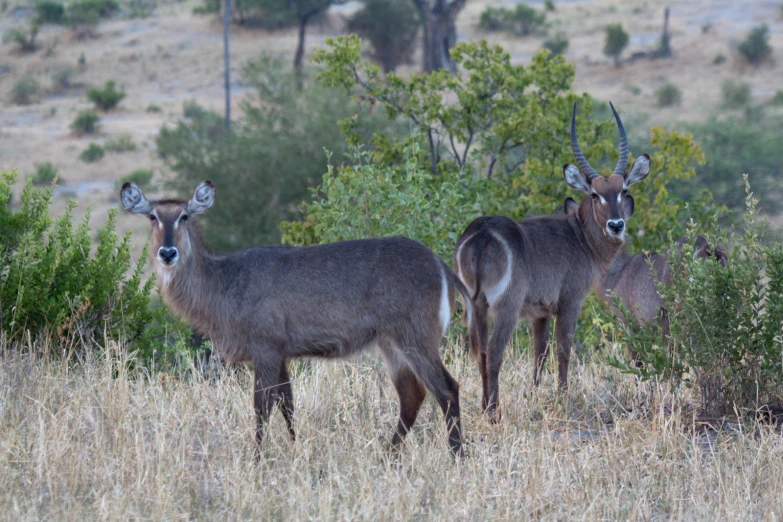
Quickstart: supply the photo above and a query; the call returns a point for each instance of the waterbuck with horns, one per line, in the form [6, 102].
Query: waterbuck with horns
[544, 265]
[268, 304]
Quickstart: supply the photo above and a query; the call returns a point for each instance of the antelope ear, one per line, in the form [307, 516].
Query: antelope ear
[570, 206]
[721, 256]
[203, 198]
[575, 179]
[639, 171]
[133, 199]
[628, 206]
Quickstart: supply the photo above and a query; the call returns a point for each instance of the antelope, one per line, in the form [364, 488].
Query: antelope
[544, 265]
[269, 304]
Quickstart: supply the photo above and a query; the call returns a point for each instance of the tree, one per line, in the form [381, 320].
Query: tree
[440, 32]
[755, 48]
[616, 42]
[306, 10]
[391, 27]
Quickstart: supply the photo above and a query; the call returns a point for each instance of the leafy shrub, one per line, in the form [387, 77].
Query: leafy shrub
[61, 77]
[86, 122]
[263, 175]
[668, 95]
[726, 325]
[208, 7]
[267, 14]
[25, 40]
[523, 20]
[390, 26]
[24, 91]
[92, 153]
[105, 98]
[735, 93]
[755, 48]
[54, 285]
[192, 110]
[719, 59]
[102, 8]
[557, 44]
[549, 5]
[49, 12]
[141, 177]
[616, 42]
[151, 108]
[45, 173]
[140, 8]
[122, 143]
[778, 98]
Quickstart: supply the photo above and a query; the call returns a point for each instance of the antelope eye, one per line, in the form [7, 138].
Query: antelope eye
[184, 217]
[152, 218]
[594, 195]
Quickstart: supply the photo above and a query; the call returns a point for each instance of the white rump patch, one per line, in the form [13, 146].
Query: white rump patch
[458, 268]
[445, 309]
[496, 292]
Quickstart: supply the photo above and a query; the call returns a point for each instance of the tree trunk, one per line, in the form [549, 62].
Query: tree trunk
[439, 32]
[665, 49]
[299, 56]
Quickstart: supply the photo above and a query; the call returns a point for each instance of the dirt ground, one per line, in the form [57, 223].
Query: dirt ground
[175, 56]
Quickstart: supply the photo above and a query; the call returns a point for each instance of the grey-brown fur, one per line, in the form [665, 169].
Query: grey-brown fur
[268, 304]
[554, 261]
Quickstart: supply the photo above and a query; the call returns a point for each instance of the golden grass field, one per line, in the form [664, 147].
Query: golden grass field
[96, 442]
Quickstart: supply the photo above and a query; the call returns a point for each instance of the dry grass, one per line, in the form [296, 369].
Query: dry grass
[93, 441]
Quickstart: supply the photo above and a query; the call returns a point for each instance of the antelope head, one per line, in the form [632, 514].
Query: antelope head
[606, 202]
[172, 232]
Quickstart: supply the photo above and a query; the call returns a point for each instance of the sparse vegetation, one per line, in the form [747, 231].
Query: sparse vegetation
[122, 143]
[557, 44]
[719, 59]
[549, 5]
[86, 122]
[152, 108]
[668, 95]
[778, 98]
[107, 97]
[45, 173]
[523, 20]
[755, 48]
[141, 177]
[735, 94]
[24, 39]
[49, 12]
[92, 153]
[616, 42]
[61, 77]
[24, 91]
[391, 27]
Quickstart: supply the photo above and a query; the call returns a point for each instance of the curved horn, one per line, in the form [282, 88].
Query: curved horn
[588, 171]
[622, 161]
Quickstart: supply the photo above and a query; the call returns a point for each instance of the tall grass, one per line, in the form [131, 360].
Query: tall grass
[93, 441]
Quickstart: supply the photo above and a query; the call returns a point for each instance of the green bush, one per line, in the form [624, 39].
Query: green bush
[668, 95]
[726, 325]
[92, 153]
[152, 108]
[25, 40]
[523, 20]
[391, 27]
[265, 14]
[45, 173]
[777, 99]
[558, 44]
[719, 59]
[735, 93]
[24, 91]
[122, 143]
[140, 8]
[616, 42]
[141, 177]
[56, 286]
[105, 98]
[755, 48]
[549, 5]
[86, 122]
[263, 175]
[49, 12]
[102, 8]
[208, 7]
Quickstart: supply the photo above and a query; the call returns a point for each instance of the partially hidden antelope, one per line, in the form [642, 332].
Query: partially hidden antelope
[544, 265]
[269, 304]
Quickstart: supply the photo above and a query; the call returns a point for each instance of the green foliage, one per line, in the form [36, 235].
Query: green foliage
[391, 27]
[55, 286]
[152, 108]
[719, 59]
[105, 98]
[264, 14]
[557, 44]
[86, 122]
[275, 151]
[755, 48]
[45, 173]
[503, 129]
[25, 40]
[49, 12]
[523, 20]
[103, 8]
[208, 7]
[140, 8]
[92, 153]
[668, 95]
[735, 93]
[141, 177]
[616, 42]
[777, 99]
[549, 5]
[122, 143]
[24, 91]
[726, 325]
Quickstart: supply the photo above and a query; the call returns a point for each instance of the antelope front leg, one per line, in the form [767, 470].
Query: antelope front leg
[265, 382]
[564, 329]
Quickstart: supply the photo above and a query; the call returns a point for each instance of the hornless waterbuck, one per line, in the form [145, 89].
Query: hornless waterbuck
[544, 265]
[268, 304]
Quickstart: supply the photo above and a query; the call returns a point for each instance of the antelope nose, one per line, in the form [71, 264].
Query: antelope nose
[167, 254]
[616, 226]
